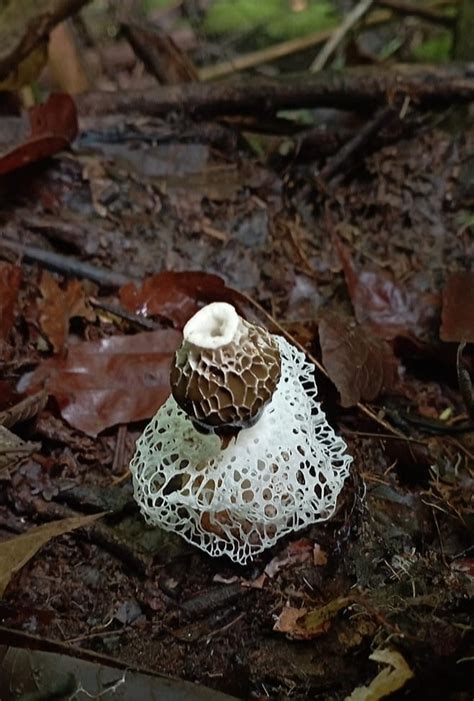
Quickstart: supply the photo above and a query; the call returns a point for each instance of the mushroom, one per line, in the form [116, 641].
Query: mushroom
[283, 467]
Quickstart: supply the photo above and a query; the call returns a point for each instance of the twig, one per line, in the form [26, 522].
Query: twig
[356, 143]
[123, 314]
[359, 88]
[337, 37]
[293, 46]
[65, 264]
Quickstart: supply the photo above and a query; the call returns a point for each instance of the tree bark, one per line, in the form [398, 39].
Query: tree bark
[464, 41]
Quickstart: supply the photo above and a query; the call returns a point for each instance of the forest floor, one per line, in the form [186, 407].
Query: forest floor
[366, 267]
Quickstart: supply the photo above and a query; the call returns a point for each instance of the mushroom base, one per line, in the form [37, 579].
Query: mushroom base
[280, 475]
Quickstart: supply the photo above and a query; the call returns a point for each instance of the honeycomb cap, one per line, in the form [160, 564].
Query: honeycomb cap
[279, 475]
[226, 370]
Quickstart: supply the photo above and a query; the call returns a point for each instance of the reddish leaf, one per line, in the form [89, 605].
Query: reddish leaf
[115, 380]
[10, 279]
[381, 302]
[58, 306]
[457, 316]
[359, 364]
[176, 296]
[53, 127]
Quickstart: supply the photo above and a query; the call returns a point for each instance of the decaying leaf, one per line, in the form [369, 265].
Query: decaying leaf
[176, 296]
[25, 409]
[16, 552]
[58, 306]
[360, 364]
[296, 552]
[393, 677]
[302, 624]
[379, 301]
[457, 315]
[113, 381]
[13, 449]
[27, 71]
[10, 279]
[52, 128]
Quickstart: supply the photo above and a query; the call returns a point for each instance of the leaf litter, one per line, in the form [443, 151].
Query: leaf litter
[364, 266]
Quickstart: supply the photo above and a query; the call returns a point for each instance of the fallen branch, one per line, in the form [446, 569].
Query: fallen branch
[358, 88]
[356, 143]
[24, 24]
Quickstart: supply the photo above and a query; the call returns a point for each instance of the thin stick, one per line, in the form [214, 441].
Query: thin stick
[429, 14]
[350, 20]
[65, 264]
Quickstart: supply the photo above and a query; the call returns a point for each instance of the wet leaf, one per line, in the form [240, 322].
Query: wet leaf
[16, 552]
[10, 279]
[393, 677]
[360, 364]
[457, 315]
[176, 296]
[379, 301]
[58, 306]
[297, 552]
[52, 128]
[113, 381]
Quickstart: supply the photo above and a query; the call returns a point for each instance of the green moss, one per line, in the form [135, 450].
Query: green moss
[435, 50]
[273, 17]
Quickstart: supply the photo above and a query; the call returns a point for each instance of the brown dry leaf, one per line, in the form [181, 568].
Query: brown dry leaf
[390, 679]
[65, 60]
[10, 279]
[176, 296]
[13, 449]
[457, 316]
[360, 364]
[381, 302]
[302, 624]
[113, 381]
[16, 552]
[296, 552]
[58, 306]
[52, 128]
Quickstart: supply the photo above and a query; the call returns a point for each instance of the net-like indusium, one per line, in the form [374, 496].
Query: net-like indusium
[280, 475]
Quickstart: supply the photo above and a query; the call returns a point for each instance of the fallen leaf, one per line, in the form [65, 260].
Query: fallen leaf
[13, 449]
[457, 315]
[113, 381]
[320, 558]
[176, 296]
[302, 624]
[58, 306]
[10, 279]
[16, 552]
[27, 71]
[379, 301]
[390, 679]
[297, 552]
[53, 126]
[360, 364]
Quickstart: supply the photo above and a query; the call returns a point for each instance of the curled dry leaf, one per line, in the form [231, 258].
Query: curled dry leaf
[176, 296]
[113, 381]
[393, 677]
[360, 364]
[52, 128]
[10, 279]
[16, 552]
[302, 624]
[58, 306]
[13, 449]
[457, 315]
[379, 301]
